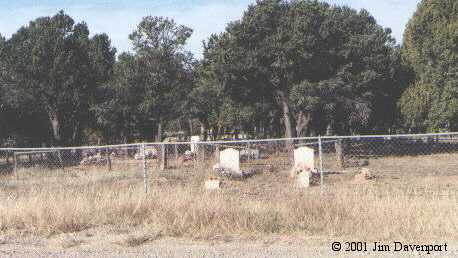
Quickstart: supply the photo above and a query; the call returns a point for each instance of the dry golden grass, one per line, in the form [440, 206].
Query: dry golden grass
[422, 206]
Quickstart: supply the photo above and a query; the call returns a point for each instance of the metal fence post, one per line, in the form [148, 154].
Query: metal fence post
[340, 153]
[108, 154]
[15, 165]
[320, 151]
[176, 154]
[145, 169]
[163, 156]
[248, 151]
[8, 158]
[61, 161]
[203, 149]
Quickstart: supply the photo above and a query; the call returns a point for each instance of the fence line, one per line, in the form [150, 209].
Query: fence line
[233, 141]
[135, 163]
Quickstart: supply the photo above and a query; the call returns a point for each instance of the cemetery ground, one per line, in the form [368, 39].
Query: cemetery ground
[411, 198]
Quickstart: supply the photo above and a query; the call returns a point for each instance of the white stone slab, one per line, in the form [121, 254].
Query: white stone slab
[230, 159]
[194, 147]
[304, 157]
[212, 184]
[250, 153]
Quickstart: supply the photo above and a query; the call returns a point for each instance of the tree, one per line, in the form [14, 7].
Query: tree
[152, 84]
[21, 126]
[431, 49]
[159, 44]
[210, 102]
[55, 68]
[295, 54]
[3, 106]
[118, 113]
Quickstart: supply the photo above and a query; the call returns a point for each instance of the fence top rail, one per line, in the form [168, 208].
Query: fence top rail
[233, 142]
[33, 152]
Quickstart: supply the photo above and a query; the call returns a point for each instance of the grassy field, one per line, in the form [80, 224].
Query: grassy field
[412, 198]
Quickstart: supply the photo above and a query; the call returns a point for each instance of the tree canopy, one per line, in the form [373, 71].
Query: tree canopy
[321, 65]
[53, 67]
[430, 48]
[286, 68]
[150, 86]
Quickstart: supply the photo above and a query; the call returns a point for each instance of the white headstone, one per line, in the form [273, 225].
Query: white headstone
[194, 146]
[304, 157]
[303, 179]
[230, 159]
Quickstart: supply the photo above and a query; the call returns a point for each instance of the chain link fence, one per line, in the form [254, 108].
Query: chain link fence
[144, 165]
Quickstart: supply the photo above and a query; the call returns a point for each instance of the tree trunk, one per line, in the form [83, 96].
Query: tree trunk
[76, 137]
[203, 132]
[220, 132]
[303, 121]
[287, 117]
[329, 130]
[215, 132]
[190, 127]
[159, 131]
[55, 124]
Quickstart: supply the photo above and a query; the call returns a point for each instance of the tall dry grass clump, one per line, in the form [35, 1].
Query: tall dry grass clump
[372, 211]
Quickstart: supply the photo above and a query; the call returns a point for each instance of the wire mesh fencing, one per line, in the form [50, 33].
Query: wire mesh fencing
[403, 155]
[148, 164]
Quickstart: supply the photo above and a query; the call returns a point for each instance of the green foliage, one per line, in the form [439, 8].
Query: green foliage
[218, 106]
[161, 35]
[431, 49]
[285, 68]
[319, 64]
[150, 86]
[54, 68]
[115, 109]
[416, 102]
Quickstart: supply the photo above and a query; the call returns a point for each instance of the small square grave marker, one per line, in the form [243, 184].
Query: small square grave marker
[212, 184]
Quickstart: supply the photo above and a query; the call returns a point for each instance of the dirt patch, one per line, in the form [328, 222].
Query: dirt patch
[103, 244]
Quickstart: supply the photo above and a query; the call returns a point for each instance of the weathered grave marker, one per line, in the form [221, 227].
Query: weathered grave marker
[250, 154]
[194, 146]
[217, 153]
[304, 157]
[230, 159]
[303, 179]
[212, 184]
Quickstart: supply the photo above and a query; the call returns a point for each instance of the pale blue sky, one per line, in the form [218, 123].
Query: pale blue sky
[118, 18]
